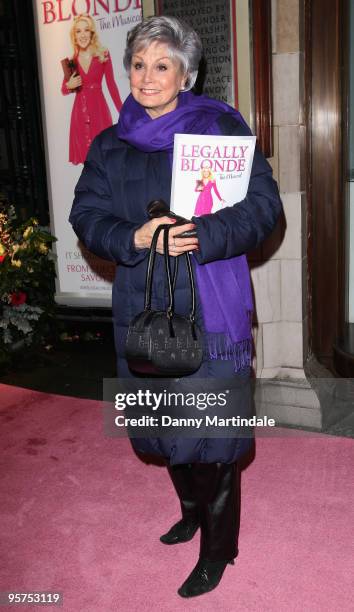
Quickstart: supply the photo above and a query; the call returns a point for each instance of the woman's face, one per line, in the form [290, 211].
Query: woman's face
[206, 173]
[82, 34]
[156, 79]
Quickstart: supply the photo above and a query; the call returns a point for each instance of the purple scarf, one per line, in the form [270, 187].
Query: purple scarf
[224, 286]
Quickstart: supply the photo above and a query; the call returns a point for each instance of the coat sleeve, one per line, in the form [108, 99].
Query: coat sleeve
[216, 191]
[237, 229]
[64, 90]
[92, 217]
[111, 84]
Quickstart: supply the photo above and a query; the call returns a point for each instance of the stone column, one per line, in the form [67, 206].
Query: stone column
[279, 267]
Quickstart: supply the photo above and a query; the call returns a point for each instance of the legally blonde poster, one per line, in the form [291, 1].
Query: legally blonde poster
[80, 46]
[210, 172]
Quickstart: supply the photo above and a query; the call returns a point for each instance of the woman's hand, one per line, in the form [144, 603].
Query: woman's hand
[176, 246]
[74, 81]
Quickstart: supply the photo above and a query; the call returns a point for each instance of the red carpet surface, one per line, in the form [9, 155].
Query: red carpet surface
[81, 514]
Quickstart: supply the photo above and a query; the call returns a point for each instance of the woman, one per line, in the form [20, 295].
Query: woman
[128, 166]
[90, 114]
[205, 186]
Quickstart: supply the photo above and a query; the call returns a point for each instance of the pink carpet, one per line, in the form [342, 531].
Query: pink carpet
[81, 514]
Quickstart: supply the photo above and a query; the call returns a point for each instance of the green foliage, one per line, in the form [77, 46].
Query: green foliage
[27, 276]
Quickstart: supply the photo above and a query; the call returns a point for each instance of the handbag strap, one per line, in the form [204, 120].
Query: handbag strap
[170, 308]
[171, 283]
[150, 267]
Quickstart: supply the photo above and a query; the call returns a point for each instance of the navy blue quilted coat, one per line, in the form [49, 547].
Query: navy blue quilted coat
[116, 184]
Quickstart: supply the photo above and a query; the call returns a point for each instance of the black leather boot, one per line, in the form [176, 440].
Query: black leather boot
[185, 529]
[204, 578]
[217, 487]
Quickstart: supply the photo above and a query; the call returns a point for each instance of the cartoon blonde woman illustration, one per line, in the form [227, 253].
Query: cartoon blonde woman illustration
[205, 186]
[90, 113]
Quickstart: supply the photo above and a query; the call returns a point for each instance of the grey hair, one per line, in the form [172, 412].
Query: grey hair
[183, 42]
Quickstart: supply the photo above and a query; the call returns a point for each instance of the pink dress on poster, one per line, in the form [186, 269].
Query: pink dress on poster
[90, 114]
[204, 202]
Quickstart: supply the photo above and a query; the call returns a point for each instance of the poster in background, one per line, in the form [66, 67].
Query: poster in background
[224, 27]
[82, 278]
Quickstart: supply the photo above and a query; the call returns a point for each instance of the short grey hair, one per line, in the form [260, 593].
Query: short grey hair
[183, 43]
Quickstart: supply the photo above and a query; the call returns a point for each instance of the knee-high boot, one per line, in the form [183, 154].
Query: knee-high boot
[217, 488]
[182, 478]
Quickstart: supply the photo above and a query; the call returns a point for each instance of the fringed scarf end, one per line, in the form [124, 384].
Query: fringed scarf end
[220, 346]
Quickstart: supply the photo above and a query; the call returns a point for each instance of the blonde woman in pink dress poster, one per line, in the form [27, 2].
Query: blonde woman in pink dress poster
[205, 186]
[90, 113]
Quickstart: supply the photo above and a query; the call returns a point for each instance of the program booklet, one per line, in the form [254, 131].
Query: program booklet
[209, 172]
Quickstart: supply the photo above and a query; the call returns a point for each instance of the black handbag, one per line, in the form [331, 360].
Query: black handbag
[162, 342]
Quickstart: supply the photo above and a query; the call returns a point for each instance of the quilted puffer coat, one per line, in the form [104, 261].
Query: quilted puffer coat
[111, 196]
